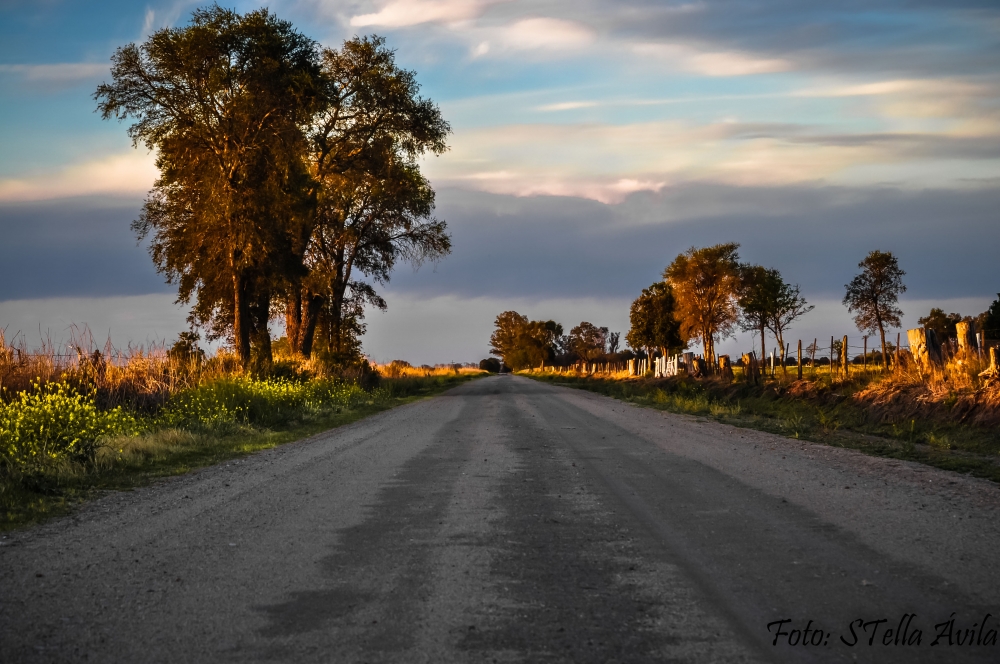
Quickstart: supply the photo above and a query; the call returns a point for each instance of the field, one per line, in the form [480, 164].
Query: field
[73, 426]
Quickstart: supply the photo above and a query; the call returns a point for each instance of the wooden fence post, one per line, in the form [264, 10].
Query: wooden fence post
[864, 357]
[847, 358]
[798, 357]
[831, 358]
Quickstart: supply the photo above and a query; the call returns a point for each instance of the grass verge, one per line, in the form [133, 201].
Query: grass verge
[825, 416]
[125, 463]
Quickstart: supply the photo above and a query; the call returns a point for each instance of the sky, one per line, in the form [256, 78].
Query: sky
[593, 141]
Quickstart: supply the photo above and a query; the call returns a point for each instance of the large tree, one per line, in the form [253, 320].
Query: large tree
[872, 296]
[369, 206]
[223, 102]
[653, 321]
[706, 284]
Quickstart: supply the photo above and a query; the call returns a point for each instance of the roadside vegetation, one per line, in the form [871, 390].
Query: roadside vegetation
[73, 427]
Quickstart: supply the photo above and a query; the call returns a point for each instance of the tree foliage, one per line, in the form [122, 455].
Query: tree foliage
[654, 324]
[523, 343]
[789, 305]
[288, 173]
[222, 102]
[944, 325]
[706, 284]
[768, 302]
[872, 296]
[757, 300]
[988, 322]
[368, 204]
[588, 341]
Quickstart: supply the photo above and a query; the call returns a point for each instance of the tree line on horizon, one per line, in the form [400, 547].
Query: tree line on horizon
[706, 293]
[288, 176]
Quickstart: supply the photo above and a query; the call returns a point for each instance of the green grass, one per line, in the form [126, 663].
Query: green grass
[830, 417]
[210, 424]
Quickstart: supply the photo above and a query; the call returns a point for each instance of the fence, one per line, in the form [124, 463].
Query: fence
[844, 358]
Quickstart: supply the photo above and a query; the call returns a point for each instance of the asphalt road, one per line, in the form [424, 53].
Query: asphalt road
[509, 520]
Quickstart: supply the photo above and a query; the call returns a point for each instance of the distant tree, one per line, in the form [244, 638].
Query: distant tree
[522, 343]
[588, 341]
[654, 324]
[706, 284]
[186, 349]
[812, 349]
[944, 325]
[506, 338]
[542, 344]
[788, 306]
[490, 364]
[757, 299]
[613, 338]
[988, 322]
[222, 103]
[872, 296]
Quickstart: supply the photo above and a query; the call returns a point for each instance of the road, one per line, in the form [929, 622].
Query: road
[512, 521]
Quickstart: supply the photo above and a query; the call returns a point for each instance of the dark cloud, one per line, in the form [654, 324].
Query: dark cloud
[550, 247]
[898, 37]
[562, 247]
[76, 247]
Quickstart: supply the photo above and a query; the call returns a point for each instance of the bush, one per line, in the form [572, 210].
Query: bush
[235, 402]
[53, 423]
[490, 364]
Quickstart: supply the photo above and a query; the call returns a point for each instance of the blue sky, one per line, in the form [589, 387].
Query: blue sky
[593, 141]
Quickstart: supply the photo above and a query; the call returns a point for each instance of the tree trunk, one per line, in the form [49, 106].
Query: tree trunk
[293, 321]
[885, 355]
[261, 317]
[241, 320]
[310, 317]
[781, 345]
[763, 346]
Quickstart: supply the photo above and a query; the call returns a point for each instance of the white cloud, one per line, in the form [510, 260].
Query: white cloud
[129, 173]
[58, 74]
[404, 13]
[605, 162]
[545, 34]
[712, 63]
[566, 106]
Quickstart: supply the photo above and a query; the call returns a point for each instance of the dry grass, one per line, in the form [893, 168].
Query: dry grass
[402, 369]
[953, 392]
[140, 379]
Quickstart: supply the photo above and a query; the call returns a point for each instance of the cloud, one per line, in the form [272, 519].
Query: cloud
[56, 76]
[78, 247]
[405, 13]
[550, 247]
[543, 34]
[712, 63]
[604, 162]
[129, 173]
[566, 106]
